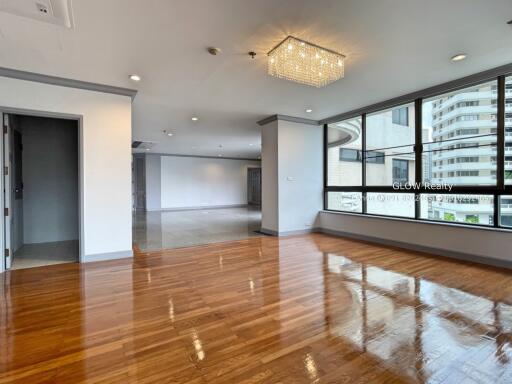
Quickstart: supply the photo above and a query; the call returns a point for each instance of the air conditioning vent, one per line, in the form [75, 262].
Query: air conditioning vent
[58, 12]
[143, 145]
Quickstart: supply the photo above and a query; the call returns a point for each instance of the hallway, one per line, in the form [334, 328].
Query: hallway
[156, 230]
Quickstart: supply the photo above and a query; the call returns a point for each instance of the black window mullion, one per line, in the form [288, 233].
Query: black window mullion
[500, 148]
[418, 150]
[363, 168]
[326, 148]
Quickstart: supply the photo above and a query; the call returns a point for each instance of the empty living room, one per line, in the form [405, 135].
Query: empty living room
[256, 192]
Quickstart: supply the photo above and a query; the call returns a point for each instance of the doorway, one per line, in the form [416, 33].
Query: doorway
[139, 183]
[41, 190]
[254, 186]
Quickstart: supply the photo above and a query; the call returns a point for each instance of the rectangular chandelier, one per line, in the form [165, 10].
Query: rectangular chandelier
[306, 63]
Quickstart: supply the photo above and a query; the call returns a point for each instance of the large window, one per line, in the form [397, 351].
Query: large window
[453, 165]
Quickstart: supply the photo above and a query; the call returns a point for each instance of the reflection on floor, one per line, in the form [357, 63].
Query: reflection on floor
[37, 255]
[176, 229]
[303, 309]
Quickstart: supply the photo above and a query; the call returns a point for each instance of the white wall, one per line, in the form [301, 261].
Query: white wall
[269, 177]
[300, 175]
[191, 182]
[292, 176]
[106, 159]
[50, 179]
[451, 239]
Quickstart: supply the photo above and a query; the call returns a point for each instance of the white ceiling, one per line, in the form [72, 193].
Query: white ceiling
[392, 47]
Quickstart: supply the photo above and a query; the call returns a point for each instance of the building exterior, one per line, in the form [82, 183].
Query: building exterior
[464, 131]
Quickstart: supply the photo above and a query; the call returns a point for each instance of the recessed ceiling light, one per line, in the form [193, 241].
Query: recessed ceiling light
[147, 149]
[251, 144]
[220, 155]
[135, 77]
[459, 57]
[309, 110]
[195, 118]
[170, 134]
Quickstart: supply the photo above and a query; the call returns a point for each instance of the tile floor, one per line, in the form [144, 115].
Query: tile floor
[37, 255]
[176, 229]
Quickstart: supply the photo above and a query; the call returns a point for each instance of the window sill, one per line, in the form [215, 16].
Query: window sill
[424, 222]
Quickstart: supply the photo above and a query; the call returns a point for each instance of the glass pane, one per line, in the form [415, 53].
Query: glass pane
[508, 130]
[459, 136]
[390, 204]
[390, 169]
[468, 209]
[506, 211]
[461, 163]
[390, 146]
[344, 157]
[345, 201]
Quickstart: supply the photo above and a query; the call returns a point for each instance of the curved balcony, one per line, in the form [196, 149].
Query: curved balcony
[344, 132]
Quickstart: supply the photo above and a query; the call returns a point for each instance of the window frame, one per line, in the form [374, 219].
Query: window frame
[501, 188]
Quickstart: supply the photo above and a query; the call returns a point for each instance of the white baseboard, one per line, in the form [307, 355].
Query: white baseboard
[271, 232]
[201, 207]
[107, 256]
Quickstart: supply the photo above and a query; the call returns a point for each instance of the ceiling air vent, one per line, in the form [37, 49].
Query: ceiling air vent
[58, 12]
[143, 145]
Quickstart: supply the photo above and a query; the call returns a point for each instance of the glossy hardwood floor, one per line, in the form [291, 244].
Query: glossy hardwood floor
[306, 309]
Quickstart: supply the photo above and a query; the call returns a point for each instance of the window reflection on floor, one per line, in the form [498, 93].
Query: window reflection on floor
[420, 327]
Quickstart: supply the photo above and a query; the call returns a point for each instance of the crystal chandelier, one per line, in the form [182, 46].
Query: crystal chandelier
[306, 63]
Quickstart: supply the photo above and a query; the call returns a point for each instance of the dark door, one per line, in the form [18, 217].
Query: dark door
[254, 186]
[139, 183]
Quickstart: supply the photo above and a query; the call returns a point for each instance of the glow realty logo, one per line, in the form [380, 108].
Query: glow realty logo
[417, 186]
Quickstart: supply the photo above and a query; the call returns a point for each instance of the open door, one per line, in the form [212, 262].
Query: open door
[7, 145]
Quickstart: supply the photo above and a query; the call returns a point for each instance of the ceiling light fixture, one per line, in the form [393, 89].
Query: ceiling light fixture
[170, 134]
[459, 57]
[305, 63]
[195, 118]
[309, 110]
[135, 77]
[220, 155]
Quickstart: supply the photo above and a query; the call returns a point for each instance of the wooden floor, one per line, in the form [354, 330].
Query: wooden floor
[305, 309]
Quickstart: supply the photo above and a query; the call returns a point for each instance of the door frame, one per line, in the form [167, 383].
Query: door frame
[54, 115]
